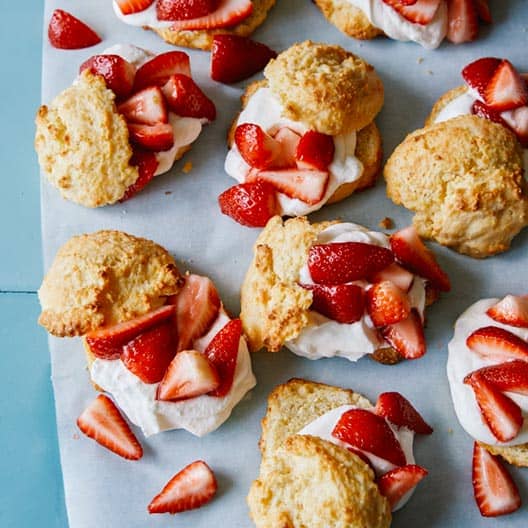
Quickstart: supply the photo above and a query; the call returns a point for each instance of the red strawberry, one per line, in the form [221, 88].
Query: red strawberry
[107, 342]
[483, 11]
[191, 488]
[103, 422]
[512, 310]
[184, 9]
[511, 376]
[228, 14]
[342, 262]
[149, 354]
[387, 304]
[158, 70]
[289, 140]
[257, 148]
[344, 303]
[129, 7]
[518, 123]
[116, 71]
[399, 411]
[235, 58]
[189, 374]
[406, 337]
[251, 204]
[371, 433]
[399, 481]
[315, 151]
[222, 352]
[419, 12]
[156, 137]
[480, 109]
[67, 32]
[497, 344]
[501, 414]
[147, 165]
[186, 99]
[409, 249]
[495, 492]
[479, 73]
[506, 89]
[147, 107]
[462, 19]
[396, 274]
[197, 307]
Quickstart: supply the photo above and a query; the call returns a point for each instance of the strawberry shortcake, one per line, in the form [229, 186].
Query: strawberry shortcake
[337, 289]
[128, 117]
[160, 343]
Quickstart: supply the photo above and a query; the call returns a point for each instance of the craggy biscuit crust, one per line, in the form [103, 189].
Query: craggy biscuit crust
[82, 144]
[104, 278]
[516, 455]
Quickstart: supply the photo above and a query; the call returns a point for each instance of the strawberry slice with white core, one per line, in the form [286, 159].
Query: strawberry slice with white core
[158, 70]
[407, 336]
[511, 376]
[129, 7]
[315, 151]
[512, 310]
[228, 14]
[396, 274]
[399, 481]
[399, 411]
[288, 140]
[107, 342]
[116, 71]
[410, 251]
[184, 9]
[478, 108]
[197, 307]
[190, 374]
[369, 432]
[500, 413]
[497, 344]
[387, 304]
[478, 73]
[146, 107]
[506, 90]
[103, 422]
[191, 488]
[462, 17]
[158, 137]
[68, 32]
[495, 491]
[147, 164]
[517, 121]
[257, 148]
[418, 12]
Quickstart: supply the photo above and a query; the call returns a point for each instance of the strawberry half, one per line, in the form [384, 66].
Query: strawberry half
[189, 374]
[186, 99]
[387, 304]
[116, 71]
[396, 483]
[418, 12]
[495, 491]
[107, 342]
[497, 344]
[184, 9]
[67, 32]
[394, 273]
[462, 19]
[371, 433]
[128, 7]
[251, 204]
[158, 137]
[506, 90]
[410, 251]
[407, 336]
[191, 488]
[257, 148]
[511, 376]
[517, 121]
[147, 107]
[512, 310]
[228, 14]
[315, 151]
[342, 262]
[479, 73]
[147, 165]
[478, 108]
[222, 352]
[103, 422]
[483, 11]
[158, 70]
[235, 58]
[399, 411]
[289, 141]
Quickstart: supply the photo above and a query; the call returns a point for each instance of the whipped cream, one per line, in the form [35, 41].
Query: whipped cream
[265, 110]
[323, 337]
[147, 17]
[323, 426]
[397, 27]
[199, 415]
[461, 361]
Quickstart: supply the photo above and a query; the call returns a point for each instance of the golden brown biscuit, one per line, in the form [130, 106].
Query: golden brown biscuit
[474, 197]
[516, 455]
[104, 278]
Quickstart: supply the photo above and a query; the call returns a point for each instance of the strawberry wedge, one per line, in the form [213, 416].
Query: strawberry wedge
[512, 310]
[497, 344]
[418, 12]
[511, 376]
[399, 411]
[399, 481]
[407, 336]
[68, 32]
[158, 70]
[229, 13]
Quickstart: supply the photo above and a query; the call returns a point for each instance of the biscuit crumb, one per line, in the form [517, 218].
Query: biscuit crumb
[167, 193]
[450, 431]
[386, 223]
[419, 60]
[430, 72]
[187, 167]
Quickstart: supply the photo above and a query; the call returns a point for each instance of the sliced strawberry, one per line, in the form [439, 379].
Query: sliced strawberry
[399, 411]
[235, 58]
[480, 109]
[462, 19]
[158, 137]
[158, 70]
[479, 73]
[517, 121]
[289, 140]
[128, 7]
[228, 14]
[387, 304]
[497, 344]
[251, 204]
[185, 98]
[103, 422]
[315, 151]
[149, 354]
[371, 433]
[512, 310]
[410, 251]
[344, 303]
[500, 413]
[147, 165]
[116, 71]
[407, 336]
[342, 262]
[419, 12]
[511, 376]
[399, 481]
[107, 342]
[394, 273]
[495, 491]
[257, 148]
[197, 307]
[67, 32]
[506, 90]
[147, 107]
[222, 352]
[184, 9]
[483, 11]
[191, 488]
[189, 374]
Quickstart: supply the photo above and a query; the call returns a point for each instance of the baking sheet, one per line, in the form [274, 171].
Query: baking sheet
[180, 212]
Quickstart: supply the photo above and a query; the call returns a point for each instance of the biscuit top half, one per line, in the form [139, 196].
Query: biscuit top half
[326, 87]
